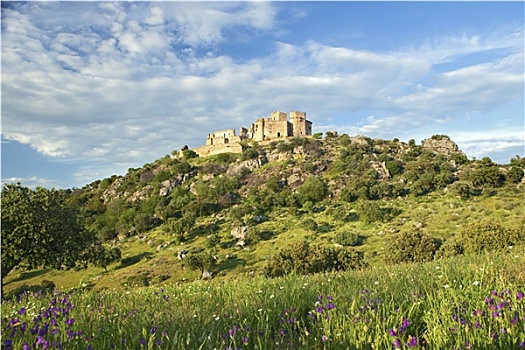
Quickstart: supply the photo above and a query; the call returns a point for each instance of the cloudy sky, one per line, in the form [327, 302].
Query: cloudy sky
[90, 89]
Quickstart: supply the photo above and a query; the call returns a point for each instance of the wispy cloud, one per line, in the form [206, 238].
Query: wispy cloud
[124, 83]
[31, 182]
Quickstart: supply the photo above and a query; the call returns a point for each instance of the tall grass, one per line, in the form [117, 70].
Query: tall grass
[465, 303]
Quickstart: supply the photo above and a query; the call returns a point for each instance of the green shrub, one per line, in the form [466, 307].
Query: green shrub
[462, 189]
[189, 154]
[515, 174]
[346, 238]
[225, 158]
[301, 258]
[313, 189]
[450, 248]
[309, 224]
[213, 240]
[370, 212]
[489, 235]
[411, 247]
[249, 153]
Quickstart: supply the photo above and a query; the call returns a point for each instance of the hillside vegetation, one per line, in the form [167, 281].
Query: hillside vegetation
[303, 205]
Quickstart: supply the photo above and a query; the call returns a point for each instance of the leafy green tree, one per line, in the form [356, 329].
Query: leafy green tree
[181, 226]
[394, 167]
[189, 154]
[200, 261]
[39, 230]
[313, 189]
[302, 258]
[515, 174]
[462, 189]
[143, 222]
[103, 257]
[485, 173]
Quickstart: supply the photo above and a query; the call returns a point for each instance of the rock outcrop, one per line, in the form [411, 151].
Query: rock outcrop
[441, 144]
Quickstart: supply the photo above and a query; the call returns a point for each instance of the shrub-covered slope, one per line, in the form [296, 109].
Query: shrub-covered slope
[303, 204]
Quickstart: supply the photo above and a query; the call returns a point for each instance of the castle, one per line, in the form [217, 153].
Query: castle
[275, 127]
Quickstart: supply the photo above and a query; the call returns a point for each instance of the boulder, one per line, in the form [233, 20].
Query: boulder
[181, 254]
[237, 168]
[207, 274]
[240, 232]
[441, 144]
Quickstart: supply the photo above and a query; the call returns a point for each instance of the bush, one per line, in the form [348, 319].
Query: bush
[301, 258]
[370, 212]
[462, 189]
[309, 224]
[450, 248]
[489, 235]
[313, 189]
[213, 240]
[189, 154]
[225, 158]
[515, 174]
[411, 247]
[249, 153]
[346, 238]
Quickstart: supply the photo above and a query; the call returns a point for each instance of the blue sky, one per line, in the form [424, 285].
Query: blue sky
[90, 89]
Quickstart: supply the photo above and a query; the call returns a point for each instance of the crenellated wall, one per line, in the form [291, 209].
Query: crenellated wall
[277, 126]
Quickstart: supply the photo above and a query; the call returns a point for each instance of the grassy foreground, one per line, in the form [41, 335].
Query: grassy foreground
[464, 303]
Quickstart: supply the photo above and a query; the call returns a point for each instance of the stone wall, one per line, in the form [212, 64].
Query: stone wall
[275, 127]
[210, 150]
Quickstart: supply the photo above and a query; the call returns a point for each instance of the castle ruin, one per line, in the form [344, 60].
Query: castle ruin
[275, 127]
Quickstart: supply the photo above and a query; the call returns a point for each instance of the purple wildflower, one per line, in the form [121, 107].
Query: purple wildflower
[412, 342]
[520, 295]
[397, 344]
[22, 311]
[324, 338]
[392, 332]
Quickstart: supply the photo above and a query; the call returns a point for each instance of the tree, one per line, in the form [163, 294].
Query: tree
[200, 261]
[39, 230]
[515, 174]
[313, 189]
[103, 257]
[182, 225]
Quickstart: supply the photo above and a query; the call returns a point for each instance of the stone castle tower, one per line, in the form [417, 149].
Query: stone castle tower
[277, 126]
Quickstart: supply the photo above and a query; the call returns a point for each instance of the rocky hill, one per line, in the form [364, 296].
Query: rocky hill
[185, 216]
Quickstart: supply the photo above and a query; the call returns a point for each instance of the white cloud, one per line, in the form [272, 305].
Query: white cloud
[31, 182]
[139, 81]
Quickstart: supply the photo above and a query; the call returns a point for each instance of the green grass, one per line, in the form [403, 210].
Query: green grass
[469, 302]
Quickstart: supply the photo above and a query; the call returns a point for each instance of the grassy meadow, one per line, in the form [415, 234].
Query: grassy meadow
[470, 302]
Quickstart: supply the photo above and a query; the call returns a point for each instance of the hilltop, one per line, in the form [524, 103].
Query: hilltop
[341, 201]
